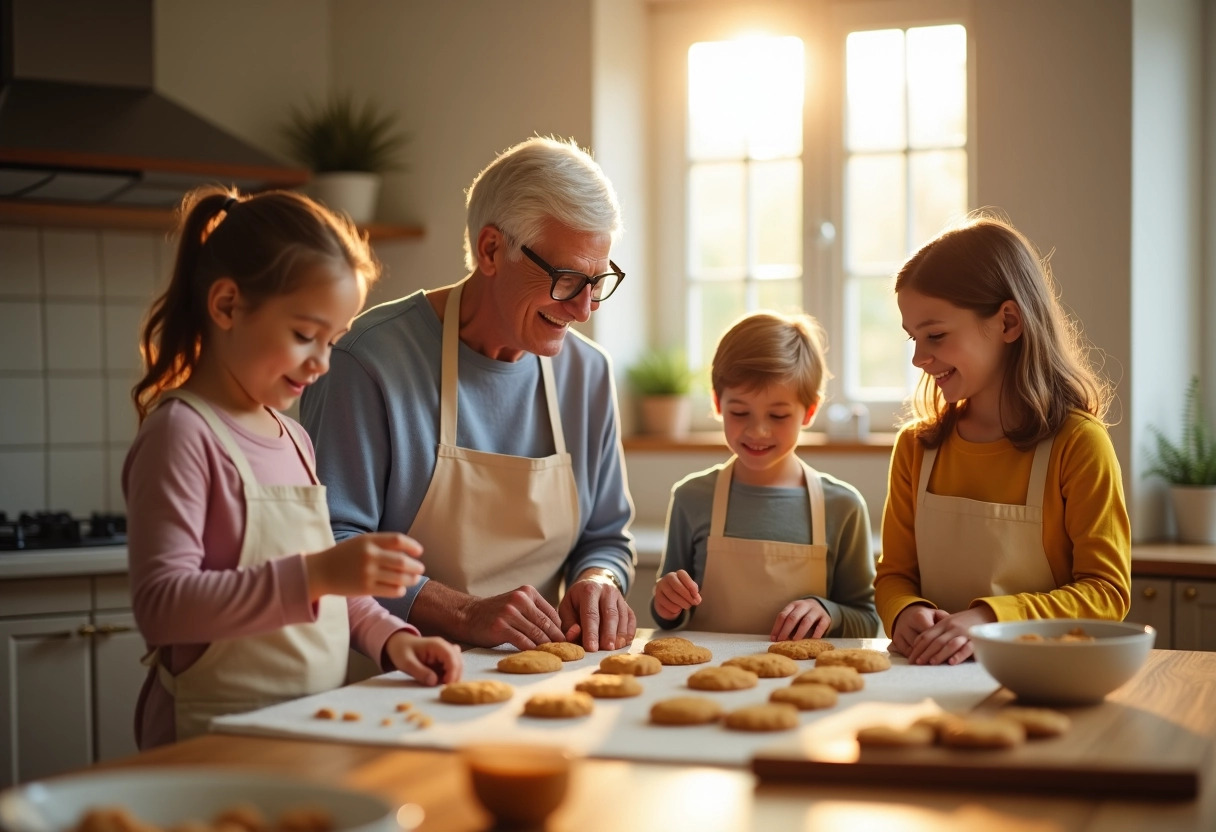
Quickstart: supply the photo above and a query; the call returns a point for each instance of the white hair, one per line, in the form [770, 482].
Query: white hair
[540, 179]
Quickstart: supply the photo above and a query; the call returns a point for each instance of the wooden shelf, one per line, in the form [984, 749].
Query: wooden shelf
[127, 218]
[713, 440]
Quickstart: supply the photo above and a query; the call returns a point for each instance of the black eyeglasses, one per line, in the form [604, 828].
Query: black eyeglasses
[567, 283]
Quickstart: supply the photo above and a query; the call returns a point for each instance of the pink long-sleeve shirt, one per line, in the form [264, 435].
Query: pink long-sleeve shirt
[185, 525]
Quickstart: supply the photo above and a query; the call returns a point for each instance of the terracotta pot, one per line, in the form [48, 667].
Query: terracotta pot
[666, 415]
[354, 193]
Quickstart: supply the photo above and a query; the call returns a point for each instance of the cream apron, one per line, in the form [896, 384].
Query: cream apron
[969, 549]
[747, 582]
[492, 522]
[242, 674]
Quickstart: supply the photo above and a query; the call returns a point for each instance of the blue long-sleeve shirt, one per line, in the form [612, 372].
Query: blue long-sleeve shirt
[374, 419]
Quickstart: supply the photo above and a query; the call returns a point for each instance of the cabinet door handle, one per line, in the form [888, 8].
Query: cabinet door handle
[86, 630]
[1150, 592]
[110, 629]
[1190, 593]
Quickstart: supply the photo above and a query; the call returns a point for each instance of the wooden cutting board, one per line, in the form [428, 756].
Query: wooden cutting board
[1149, 739]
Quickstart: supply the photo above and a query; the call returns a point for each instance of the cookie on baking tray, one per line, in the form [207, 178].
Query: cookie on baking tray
[764, 665]
[530, 661]
[843, 678]
[633, 664]
[476, 692]
[858, 658]
[982, 732]
[722, 678]
[685, 710]
[674, 650]
[1038, 722]
[567, 651]
[938, 722]
[803, 648]
[559, 705]
[885, 736]
[771, 717]
[610, 686]
[805, 697]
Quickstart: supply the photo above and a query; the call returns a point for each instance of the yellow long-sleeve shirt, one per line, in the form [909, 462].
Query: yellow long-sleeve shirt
[1086, 531]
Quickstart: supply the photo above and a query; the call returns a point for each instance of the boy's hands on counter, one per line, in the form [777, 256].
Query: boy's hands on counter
[674, 593]
[804, 618]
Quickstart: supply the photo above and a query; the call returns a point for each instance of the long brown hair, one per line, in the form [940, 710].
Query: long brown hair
[979, 266]
[264, 242]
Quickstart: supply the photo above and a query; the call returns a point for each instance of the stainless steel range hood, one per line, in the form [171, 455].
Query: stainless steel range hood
[81, 120]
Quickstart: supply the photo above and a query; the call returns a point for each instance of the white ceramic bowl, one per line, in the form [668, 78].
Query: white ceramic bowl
[166, 797]
[1062, 672]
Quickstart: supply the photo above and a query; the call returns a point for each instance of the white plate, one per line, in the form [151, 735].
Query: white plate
[169, 797]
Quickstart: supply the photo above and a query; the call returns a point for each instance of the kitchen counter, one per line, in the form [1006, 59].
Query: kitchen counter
[57, 563]
[1179, 560]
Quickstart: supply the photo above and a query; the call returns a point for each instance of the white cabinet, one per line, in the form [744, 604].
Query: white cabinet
[69, 674]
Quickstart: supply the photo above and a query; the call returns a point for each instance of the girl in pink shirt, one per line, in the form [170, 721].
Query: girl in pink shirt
[238, 588]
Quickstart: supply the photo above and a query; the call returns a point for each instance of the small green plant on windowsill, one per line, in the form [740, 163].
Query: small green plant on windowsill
[662, 381]
[1189, 466]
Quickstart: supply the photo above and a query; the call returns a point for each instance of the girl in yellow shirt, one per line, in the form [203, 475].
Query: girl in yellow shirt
[1005, 499]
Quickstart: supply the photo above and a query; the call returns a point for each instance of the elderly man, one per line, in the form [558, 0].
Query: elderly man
[469, 418]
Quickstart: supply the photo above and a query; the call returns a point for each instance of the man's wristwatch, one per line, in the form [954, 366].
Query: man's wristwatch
[606, 577]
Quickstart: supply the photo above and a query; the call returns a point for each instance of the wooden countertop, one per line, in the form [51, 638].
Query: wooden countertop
[1175, 560]
[610, 795]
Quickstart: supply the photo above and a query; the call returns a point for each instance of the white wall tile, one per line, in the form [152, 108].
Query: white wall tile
[22, 481]
[77, 481]
[116, 455]
[122, 322]
[75, 410]
[20, 336]
[22, 411]
[128, 264]
[19, 257]
[122, 422]
[73, 336]
[71, 263]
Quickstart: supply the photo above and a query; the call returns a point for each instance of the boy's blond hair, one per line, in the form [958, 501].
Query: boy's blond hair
[766, 348]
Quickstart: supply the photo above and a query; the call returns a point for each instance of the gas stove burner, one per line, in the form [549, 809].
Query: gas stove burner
[60, 530]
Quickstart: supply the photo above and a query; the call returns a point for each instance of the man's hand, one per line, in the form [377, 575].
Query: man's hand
[595, 610]
[521, 618]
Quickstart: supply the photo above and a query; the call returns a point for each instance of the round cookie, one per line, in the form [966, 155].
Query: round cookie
[530, 661]
[565, 650]
[884, 736]
[807, 697]
[610, 686]
[722, 678]
[674, 650]
[771, 717]
[665, 643]
[685, 710]
[982, 732]
[559, 705]
[843, 678]
[858, 658]
[939, 722]
[1038, 722]
[764, 665]
[803, 648]
[633, 664]
[476, 692]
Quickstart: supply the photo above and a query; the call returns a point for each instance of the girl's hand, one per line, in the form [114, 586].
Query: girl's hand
[674, 593]
[910, 623]
[947, 640]
[379, 563]
[429, 660]
[804, 618]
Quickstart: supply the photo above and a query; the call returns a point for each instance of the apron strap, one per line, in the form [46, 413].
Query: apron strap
[926, 468]
[1038, 473]
[219, 429]
[449, 383]
[814, 494]
[295, 440]
[717, 520]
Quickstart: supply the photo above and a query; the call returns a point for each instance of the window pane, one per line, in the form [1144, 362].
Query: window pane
[776, 207]
[939, 192]
[780, 295]
[937, 86]
[717, 222]
[745, 98]
[874, 110]
[880, 348]
[875, 220]
[712, 308]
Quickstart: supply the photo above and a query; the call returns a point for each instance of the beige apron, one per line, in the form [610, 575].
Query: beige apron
[242, 674]
[969, 549]
[492, 522]
[747, 582]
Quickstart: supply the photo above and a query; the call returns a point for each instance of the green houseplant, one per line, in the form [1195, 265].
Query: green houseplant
[348, 147]
[1189, 466]
[662, 381]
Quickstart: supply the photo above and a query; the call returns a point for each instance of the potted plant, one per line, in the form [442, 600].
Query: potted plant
[662, 381]
[1189, 466]
[348, 148]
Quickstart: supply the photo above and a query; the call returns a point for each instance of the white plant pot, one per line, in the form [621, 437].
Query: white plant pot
[1194, 512]
[353, 193]
[666, 415]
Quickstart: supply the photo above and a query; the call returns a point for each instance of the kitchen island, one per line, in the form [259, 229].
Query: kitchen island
[1177, 686]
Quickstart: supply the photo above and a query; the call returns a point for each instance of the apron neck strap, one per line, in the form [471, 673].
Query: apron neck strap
[814, 495]
[1034, 488]
[219, 429]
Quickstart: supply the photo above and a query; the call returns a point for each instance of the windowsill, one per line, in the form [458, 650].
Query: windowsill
[712, 440]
